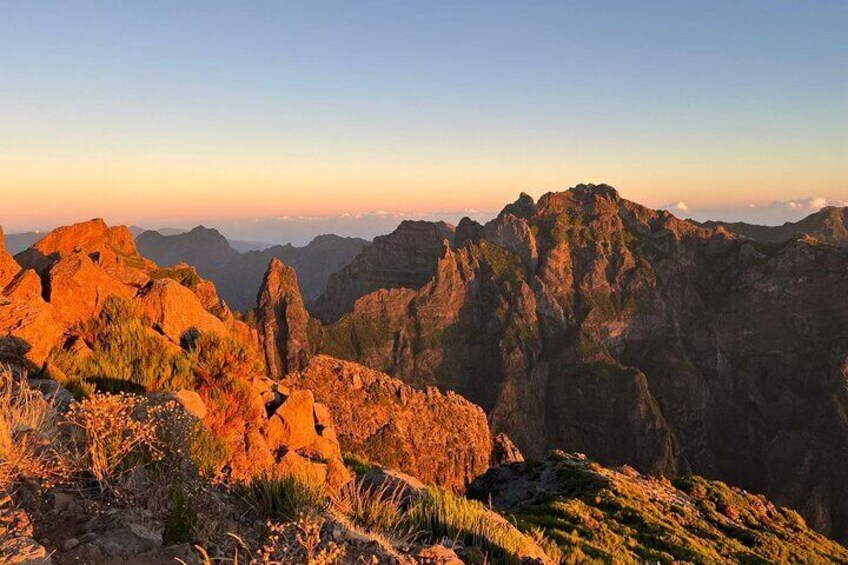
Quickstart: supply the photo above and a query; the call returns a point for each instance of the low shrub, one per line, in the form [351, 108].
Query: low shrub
[28, 433]
[107, 440]
[125, 356]
[376, 509]
[442, 514]
[182, 523]
[217, 361]
[283, 497]
[207, 451]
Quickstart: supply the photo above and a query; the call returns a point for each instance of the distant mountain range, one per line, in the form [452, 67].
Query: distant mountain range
[238, 275]
[829, 225]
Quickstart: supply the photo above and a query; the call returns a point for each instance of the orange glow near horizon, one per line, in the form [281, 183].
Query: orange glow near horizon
[50, 192]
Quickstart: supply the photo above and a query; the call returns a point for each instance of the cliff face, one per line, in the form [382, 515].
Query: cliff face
[440, 438]
[587, 322]
[406, 258]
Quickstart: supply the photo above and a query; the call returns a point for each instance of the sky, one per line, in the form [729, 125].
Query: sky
[270, 114]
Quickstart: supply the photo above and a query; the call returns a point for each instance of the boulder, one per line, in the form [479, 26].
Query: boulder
[113, 536]
[293, 424]
[504, 452]
[27, 320]
[173, 309]
[77, 288]
[437, 555]
[394, 483]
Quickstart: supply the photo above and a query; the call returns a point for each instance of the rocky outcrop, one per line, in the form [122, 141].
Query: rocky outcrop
[439, 438]
[588, 322]
[239, 276]
[282, 321]
[298, 437]
[504, 452]
[8, 266]
[111, 248]
[406, 258]
[173, 309]
[631, 518]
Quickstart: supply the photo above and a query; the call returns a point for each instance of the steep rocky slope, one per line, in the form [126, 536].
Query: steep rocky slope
[587, 322]
[238, 276]
[440, 438]
[828, 225]
[601, 515]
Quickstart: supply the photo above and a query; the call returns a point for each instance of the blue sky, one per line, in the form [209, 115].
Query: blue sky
[172, 111]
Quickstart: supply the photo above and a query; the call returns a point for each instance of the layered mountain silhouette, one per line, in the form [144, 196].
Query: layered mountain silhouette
[237, 275]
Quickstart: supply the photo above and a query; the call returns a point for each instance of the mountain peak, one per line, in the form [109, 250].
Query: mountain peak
[110, 244]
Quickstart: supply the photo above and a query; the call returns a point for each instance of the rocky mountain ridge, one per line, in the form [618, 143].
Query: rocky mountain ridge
[588, 322]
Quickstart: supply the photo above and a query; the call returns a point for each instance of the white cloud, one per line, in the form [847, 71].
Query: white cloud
[678, 206]
[768, 213]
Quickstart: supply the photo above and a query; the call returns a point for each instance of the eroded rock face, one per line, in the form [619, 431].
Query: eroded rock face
[282, 321]
[438, 438]
[588, 322]
[406, 258]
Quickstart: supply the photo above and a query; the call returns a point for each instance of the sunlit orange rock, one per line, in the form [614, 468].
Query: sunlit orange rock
[112, 248]
[27, 319]
[173, 310]
[77, 288]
